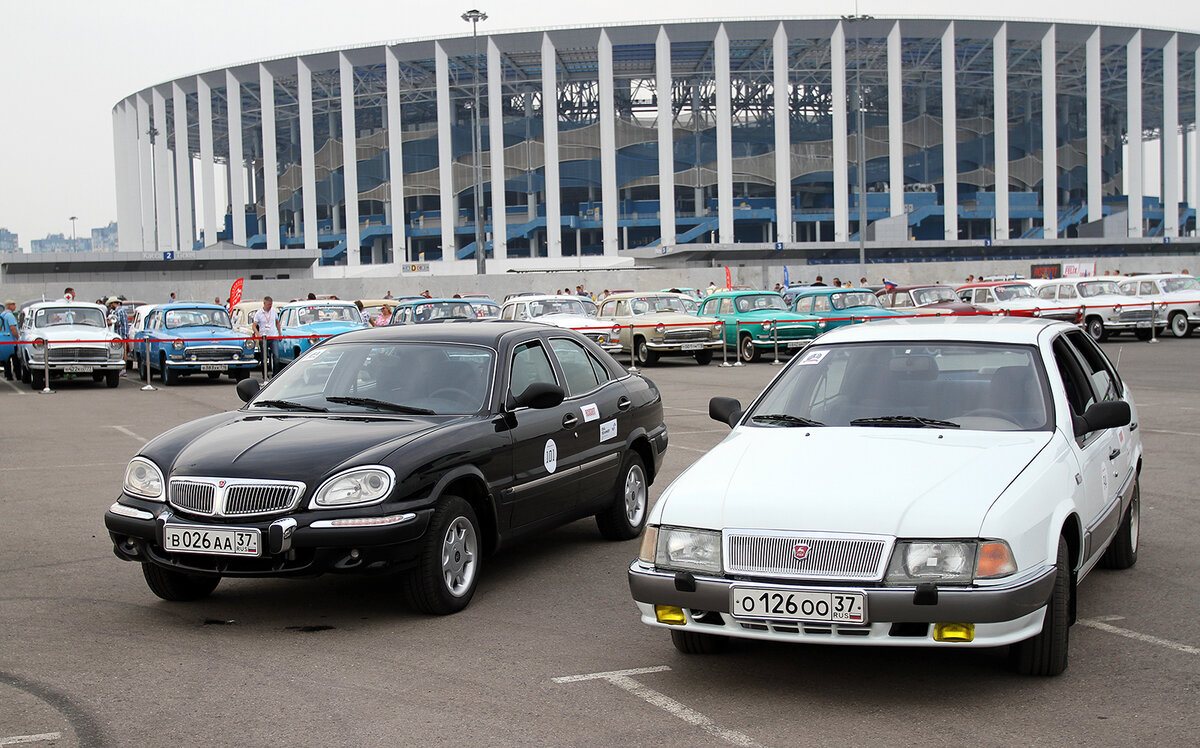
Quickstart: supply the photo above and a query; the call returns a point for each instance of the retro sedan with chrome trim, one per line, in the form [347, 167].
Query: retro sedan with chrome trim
[191, 338]
[415, 448]
[1002, 458]
[67, 338]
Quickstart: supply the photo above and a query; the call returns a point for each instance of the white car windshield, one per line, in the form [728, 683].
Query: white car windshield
[751, 302]
[317, 313]
[1015, 291]
[1171, 285]
[933, 295]
[1088, 289]
[853, 299]
[557, 306]
[68, 315]
[989, 387]
[655, 304]
[437, 310]
[396, 378]
[196, 318]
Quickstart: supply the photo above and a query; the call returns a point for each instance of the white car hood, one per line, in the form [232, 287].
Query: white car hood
[573, 321]
[85, 333]
[891, 481]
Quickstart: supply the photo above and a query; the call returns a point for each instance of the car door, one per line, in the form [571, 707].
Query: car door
[1107, 384]
[545, 448]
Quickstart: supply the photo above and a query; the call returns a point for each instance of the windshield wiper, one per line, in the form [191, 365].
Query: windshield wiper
[785, 419]
[916, 421]
[382, 405]
[289, 405]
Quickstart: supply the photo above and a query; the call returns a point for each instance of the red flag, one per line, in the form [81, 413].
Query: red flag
[728, 279]
[235, 294]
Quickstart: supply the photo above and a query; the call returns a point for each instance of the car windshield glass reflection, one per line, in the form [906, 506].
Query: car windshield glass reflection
[989, 387]
[752, 302]
[310, 314]
[1171, 285]
[400, 378]
[439, 310]
[1089, 289]
[196, 318]
[50, 316]
[1008, 293]
[935, 295]
[857, 298]
[655, 304]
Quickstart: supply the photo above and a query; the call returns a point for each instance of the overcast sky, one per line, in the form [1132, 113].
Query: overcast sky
[65, 63]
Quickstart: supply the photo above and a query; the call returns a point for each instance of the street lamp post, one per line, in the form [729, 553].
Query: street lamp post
[73, 220]
[474, 17]
[153, 133]
[862, 139]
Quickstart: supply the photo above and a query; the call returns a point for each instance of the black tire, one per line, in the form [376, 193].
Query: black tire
[1122, 552]
[26, 373]
[141, 370]
[1143, 334]
[176, 586]
[626, 515]
[214, 375]
[643, 354]
[1046, 653]
[169, 378]
[97, 376]
[449, 562]
[704, 358]
[1095, 327]
[112, 378]
[1179, 326]
[37, 380]
[689, 642]
[747, 350]
[238, 375]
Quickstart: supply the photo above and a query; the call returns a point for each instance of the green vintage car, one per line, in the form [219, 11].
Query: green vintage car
[755, 320]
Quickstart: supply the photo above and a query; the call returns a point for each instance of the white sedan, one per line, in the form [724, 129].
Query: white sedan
[927, 482]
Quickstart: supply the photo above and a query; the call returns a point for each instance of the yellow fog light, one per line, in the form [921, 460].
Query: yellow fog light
[953, 632]
[670, 615]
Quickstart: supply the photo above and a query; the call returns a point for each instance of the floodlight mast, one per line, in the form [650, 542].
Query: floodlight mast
[473, 17]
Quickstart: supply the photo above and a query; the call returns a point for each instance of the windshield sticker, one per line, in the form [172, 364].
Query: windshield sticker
[591, 412]
[608, 430]
[550, 456]
[812, 358]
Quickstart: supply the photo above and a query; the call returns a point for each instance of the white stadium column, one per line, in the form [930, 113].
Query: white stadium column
[349, 159]
[308, 166]
[1095, 174]
[129, 239]
[395, 155]
[666, 137]
[895, 123]
[1170, 136]
[1000, 127]
[495, 93]
[183, 169]
[783, 138]
[949, 135]
[445, 153]
[163, 205]
[550, 147]
[237, 156]
[609, 210]
[1133, 135]
[208, 193]
[1196, 138]
[266, 82]
[146, 172]
[841, 160]
[724, 137]
[1049, 134]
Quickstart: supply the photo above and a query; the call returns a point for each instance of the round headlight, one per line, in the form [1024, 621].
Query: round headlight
[313, 340]
[767, 326]
[1117, 309]
[248, 343]
[717, 327]
[177, 345]
[143, 479]
[1037, 312]
[616, 330]
[116, 344]
[357, 487]
[660, 328]
[39, 344]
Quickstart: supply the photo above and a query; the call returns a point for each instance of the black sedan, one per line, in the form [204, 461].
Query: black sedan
[413, 448]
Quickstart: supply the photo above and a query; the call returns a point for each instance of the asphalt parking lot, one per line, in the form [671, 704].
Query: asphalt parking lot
[550, 652]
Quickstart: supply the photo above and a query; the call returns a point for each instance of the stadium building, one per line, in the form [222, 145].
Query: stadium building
[601, 144]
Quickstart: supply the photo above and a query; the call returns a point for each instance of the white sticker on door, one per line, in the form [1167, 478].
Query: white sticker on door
[591, 412]
[550, 456]
[608, 430]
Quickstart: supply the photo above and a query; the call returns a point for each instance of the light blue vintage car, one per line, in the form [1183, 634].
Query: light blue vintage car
[303, 324]
[840, 306]
[192, 338]
[758, 322]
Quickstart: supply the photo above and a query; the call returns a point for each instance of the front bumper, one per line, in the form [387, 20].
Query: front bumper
[241, 363]
[293, 545]
[68, 367]
[678, 347]
[1002, 614]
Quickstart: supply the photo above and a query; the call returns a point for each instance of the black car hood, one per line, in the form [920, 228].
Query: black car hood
[291, 447]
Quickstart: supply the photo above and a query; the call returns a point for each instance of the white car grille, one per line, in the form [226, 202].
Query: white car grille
[227, 497]
[64, 353]
[825, 556]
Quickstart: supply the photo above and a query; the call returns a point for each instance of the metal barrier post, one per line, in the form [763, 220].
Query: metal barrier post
[45, 390]
[775, 330]
[1153, 326]
[724, 347]
[265, 357]
[148, 386]
[632, 350]
[737, 342]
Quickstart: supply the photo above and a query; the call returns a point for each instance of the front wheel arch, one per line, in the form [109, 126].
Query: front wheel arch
[468, 483]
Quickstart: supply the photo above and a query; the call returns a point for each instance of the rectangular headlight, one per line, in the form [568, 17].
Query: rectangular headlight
[685, 549]
[941, 562]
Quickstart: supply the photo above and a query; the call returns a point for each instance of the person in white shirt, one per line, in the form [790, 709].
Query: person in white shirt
[264, 327]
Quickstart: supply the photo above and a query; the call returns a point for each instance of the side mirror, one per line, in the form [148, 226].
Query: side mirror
[540, 395]
[727, 410]
[1109, 414]
[248, 388]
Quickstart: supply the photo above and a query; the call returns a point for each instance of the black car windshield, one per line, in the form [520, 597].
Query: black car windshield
[199, 317]
[69, 315]
[751, 302]
[981, 386]
[391, 378]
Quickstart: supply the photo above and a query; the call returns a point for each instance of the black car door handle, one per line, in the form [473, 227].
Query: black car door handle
[569, 421]
[624, 404]
[1114, 454]
[1133, 427]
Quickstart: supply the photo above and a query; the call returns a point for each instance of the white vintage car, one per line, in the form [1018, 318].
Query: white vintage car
[1100, 306]
[570, 312]
[951, 482]
[1178, 294]
[77, 337]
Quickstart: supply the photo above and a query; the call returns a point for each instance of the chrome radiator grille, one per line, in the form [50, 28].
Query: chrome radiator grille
[684, 336]
[822, 555]
[258, 499]
[234, 497]
[192, 497]
[1135, 315]
[77, 354]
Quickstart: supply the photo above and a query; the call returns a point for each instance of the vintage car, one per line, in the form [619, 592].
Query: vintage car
[837, 307]
[484, 308]
[1003, 456]
[191, 338]
[758, 321]
[562, 311]
[416, 448]
[303, 324]
[374, 307]
[422, 310]
[67, 338]
[1178, 295]
[925, 299]
[1099, 307]
[1014, 298]
[655, 324]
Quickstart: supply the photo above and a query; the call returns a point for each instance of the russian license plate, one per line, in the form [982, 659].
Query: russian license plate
[691, 346]
[77, 369]
[1143, 325]
[816, 606]
[217, 541]
[214, 367]
[796, 343]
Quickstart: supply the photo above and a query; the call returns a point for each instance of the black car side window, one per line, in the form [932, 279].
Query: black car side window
[1099, 368]
[1075, 380]
[529, 364]
[576, 366]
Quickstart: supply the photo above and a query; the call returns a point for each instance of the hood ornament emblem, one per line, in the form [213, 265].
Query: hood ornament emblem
[800, 551]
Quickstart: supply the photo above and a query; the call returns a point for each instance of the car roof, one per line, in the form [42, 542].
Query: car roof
[749, 292]
[422, 300]
[915, 287]
[477, 332]
[80, 304]
[539, 297]
[316, 302]
[991, 284]
[188, 305]
[831, 290]
[1018, 330]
